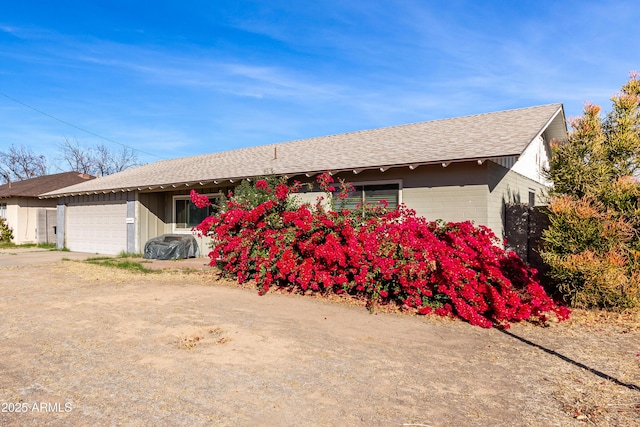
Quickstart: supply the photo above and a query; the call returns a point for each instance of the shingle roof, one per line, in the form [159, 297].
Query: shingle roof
[33, 187]
[483, 136]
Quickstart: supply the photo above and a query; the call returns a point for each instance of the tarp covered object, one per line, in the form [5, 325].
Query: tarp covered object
[172, 246]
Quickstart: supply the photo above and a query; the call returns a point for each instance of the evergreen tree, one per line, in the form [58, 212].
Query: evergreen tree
[593, 243]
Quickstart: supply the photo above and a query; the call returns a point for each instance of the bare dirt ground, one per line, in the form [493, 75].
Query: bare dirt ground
[91, 345]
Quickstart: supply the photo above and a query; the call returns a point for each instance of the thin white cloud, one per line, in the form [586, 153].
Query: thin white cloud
[337, 66]
[27, 32]
[195, 69]
[8, 29]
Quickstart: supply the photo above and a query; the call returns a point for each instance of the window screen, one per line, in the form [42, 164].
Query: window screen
[373, 194]
[188, 215]
[353, 199]
[369, 194]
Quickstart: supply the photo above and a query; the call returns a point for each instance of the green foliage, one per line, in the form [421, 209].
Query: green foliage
[593, 243]
[579, 165]
[121, 262]
[590, 250]
[247, 195]
[250, 193]
[393, 257]
[622, 127]
[6, 233]
[49, 246]
[578, 225]
[125, 254]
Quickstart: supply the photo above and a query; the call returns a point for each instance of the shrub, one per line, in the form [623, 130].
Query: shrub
[251, 193]
[6, 233]
[589, 248]
[395, 257]
[593, 243]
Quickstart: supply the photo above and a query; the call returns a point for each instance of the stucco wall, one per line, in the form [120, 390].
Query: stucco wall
[507, 186]
[12, 216]
[22, 217]
[310, 197]
[457, 192]
[461, 191]
[449, 203]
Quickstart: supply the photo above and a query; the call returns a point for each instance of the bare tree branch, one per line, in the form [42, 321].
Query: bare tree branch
[124, 159]
[17, 164]
[98, 161]
[77, 158]
[20, 163]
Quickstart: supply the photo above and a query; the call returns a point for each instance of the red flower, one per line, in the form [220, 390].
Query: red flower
[395, 257]
[425, 310]
[204, 228]
[262, 184]
[282, 191]
[324, 180]
[201, 201]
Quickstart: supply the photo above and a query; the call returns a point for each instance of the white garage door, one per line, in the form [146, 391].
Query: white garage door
[97, 227]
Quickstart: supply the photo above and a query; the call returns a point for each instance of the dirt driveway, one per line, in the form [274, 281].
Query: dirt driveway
[90, 345]
[31, 256]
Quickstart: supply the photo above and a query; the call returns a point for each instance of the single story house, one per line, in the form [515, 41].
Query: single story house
[456, 169]
[33, 220]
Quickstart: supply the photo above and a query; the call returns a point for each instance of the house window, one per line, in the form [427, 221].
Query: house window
[532, 197]
[186, 215]
[370, 194]
[3, 210]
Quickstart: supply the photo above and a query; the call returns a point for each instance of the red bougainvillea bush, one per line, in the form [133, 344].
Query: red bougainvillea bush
[384, 257]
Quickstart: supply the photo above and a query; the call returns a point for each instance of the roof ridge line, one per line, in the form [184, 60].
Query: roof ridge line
[355, 132]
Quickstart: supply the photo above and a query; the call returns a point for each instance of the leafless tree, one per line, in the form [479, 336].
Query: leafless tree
[20, 163]
[77, 158]
[98, 161]
[108, 162]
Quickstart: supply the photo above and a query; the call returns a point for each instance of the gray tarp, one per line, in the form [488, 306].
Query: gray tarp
[172, 246]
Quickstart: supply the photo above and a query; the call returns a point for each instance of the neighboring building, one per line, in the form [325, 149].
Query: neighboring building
[456, 169]
[33, 220]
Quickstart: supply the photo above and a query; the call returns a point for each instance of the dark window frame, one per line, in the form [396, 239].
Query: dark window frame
[194, 215]
[365, 188]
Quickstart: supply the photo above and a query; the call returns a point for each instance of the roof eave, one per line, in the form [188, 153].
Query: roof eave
[221, 181]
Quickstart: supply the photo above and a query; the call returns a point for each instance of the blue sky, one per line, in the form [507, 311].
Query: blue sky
[181, 78]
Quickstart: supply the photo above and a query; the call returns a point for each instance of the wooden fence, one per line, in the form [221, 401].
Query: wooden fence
[523, 231]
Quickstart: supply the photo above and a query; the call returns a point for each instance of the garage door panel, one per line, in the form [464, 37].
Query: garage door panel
[97, 227]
